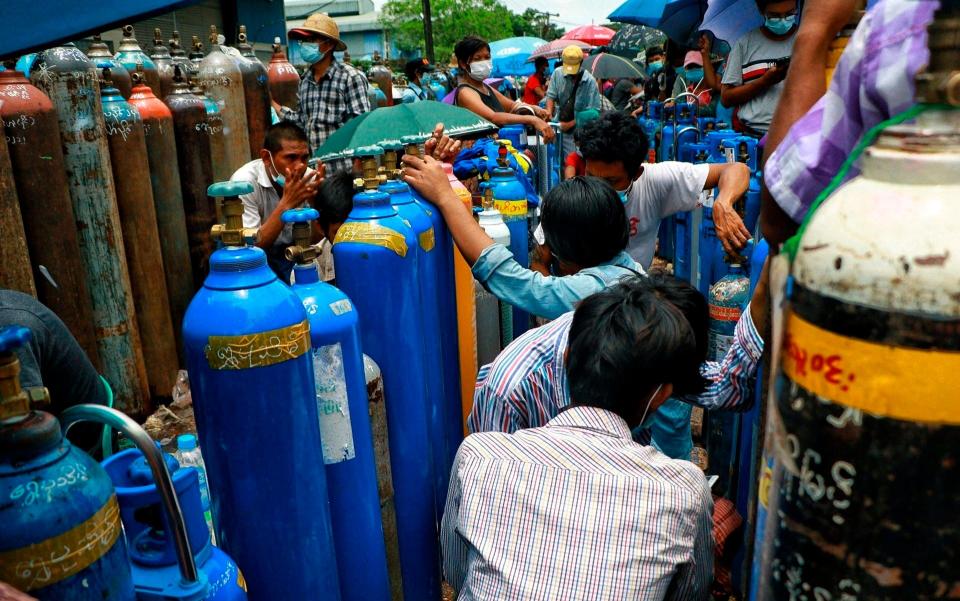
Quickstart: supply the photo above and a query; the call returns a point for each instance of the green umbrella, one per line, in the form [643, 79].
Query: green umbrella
[392, 123]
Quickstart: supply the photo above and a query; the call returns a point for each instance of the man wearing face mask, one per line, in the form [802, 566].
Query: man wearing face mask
[614, 148]
[572, 90]
[519, 503]
[281, 180]
[331, 93]
[656, 76]
[757, 66]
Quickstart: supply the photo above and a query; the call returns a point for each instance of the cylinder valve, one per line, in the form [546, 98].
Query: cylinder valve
[301, 252]
[232, 232]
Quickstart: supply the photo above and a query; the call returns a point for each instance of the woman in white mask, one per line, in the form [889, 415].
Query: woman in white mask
[475, 65]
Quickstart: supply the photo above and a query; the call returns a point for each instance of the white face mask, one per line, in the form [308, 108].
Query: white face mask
[643, 419]
[480, 70]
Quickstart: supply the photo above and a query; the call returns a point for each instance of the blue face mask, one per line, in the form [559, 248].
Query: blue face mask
[279, 179]
[654, 68]
[693, 75]
[625, 193]
[780, 26]
[310, 52]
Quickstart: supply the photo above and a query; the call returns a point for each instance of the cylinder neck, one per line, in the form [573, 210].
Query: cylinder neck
[13, 77]
[926, 152]
[129, 43]
[14, 402]
[175, 48]
[99, 48]
[370, 169]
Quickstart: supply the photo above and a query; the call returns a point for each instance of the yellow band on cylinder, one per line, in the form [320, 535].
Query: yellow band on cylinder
[889, 381]
[427, 240]
[511, 208]
[369, 233]
[260, 349]
[48, 562]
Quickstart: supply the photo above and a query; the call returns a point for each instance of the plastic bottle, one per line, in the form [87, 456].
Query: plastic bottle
[188, 455]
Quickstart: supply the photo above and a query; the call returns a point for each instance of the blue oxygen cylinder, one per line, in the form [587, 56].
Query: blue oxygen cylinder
[341, 394]
[447, 314]
[742, 149]
[247, 342]
[510, 198]
[683, 228]
[377, 267]
[60, 532]
[654, 110]
[706, 124]
[714, 139]
[727, 300]
[156, 574]
[517, 134]
[429, 263]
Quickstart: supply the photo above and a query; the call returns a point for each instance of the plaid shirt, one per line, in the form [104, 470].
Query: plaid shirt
[574, 511]
[325, 105]
[526, 386]
[873, 81]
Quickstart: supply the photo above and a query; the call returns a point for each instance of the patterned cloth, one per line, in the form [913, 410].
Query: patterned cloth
[325, 105]
[873, 81]
[575, 510]
[526, 386]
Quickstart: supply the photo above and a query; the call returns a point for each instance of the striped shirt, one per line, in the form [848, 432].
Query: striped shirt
[526, 386]
[573, 511]
[873, 81]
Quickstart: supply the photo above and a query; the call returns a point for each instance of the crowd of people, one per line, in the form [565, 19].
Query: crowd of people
[576, 482]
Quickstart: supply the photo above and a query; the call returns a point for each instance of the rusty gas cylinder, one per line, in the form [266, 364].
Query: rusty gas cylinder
[138, 218]
[168, 200]
[33, 140]
[130, 55]
[383, 76]
[222, 82]
[69, 79]
[99, 53]
[160, 55]
[14, 256]
[256, 93]
[283, 77]
[179, 57]
[218, 142]
[190, 129]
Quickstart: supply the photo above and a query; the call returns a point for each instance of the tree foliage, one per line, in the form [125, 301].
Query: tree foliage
[452, 20]
[536, 24]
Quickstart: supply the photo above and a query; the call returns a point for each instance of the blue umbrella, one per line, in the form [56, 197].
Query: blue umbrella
[676, 18]
[510, 56]
[729, 20]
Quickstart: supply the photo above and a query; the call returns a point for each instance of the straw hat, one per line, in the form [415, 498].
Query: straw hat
[320, 24]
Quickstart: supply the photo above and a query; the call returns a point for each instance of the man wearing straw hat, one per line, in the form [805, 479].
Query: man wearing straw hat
[331, 93]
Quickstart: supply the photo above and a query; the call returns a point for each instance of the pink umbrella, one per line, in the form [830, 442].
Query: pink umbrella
[591, 34]
[555, 49]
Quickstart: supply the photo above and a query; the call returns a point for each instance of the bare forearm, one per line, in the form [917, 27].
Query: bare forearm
[270, 230]
[710, 79]
[742, 94]
[467, 233]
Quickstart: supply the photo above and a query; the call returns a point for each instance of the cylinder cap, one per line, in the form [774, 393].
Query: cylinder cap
[302, 215]
[186, 442]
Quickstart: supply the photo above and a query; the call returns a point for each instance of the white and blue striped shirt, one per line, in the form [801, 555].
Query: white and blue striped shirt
[575, 510]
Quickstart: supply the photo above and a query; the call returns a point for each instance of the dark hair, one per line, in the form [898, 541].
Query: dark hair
[653, 51]
[469, 46]
[626, 340]
[541, 60]
[695, 309]
[284, 130]
[334, 199]
[413, 67]
[762, 4]
[584, 221]
[615, 136]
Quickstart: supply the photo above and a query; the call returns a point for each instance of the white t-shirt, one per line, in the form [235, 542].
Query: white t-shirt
[661, 190]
